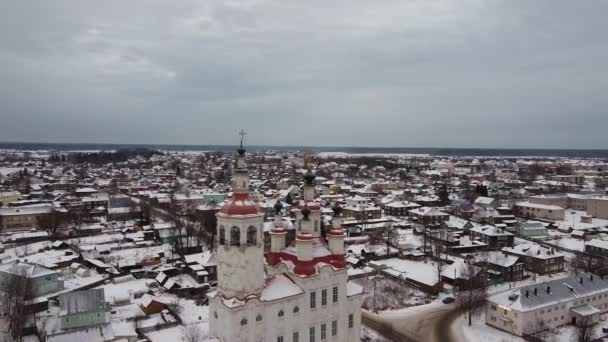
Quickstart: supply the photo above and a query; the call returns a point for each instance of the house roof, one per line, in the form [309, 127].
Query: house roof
[30, 270]
[490, 231]
[552, 292]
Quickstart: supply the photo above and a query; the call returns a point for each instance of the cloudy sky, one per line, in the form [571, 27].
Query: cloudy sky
[410, 73]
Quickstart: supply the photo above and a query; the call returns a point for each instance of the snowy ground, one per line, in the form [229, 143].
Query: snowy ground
[369, 335]
[479, 331]
[390, 294]
[421, 271]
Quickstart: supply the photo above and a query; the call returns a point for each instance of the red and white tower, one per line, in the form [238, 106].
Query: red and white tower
[240, 241]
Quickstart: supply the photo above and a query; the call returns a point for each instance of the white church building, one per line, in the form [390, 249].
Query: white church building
[297, 293]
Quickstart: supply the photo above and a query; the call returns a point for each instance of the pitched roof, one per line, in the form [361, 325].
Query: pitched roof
[552, 292]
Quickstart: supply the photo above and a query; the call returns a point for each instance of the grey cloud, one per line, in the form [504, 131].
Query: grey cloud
[476, 73]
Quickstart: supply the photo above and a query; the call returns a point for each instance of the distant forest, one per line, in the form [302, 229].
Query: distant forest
[104, 157]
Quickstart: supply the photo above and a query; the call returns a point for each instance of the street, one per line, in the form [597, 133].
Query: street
[428, 323]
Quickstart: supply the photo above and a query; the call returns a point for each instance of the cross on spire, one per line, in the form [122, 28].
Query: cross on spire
[242, 133]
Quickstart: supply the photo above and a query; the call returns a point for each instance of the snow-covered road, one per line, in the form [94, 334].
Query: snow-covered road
[425, 323]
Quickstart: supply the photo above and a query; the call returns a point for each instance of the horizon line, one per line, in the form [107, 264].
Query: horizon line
[306, 146]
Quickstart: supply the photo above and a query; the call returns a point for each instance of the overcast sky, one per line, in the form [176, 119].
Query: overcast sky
[403, 73]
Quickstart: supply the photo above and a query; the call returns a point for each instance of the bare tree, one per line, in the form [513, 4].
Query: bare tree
[16, 291]
[52, 221]
[471, 293]
[584, 329]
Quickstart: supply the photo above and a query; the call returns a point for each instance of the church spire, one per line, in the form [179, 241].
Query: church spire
[240, 177]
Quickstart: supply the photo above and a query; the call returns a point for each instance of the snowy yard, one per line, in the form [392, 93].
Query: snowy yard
[422, 272]
[390, 294]
[480, 332]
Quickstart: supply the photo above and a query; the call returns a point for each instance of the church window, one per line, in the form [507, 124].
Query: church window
[335, 294]
[280, 339]
[222, 235]
[334, 328]
[313, 300]
[244, 321]
[258, 318]
[324, 297]
[296, 310]
[252, 236]
[351, 320]
[215, 314]
[281, 313]
[323, 331]
[296, 337]
[312, 334]
[235, 236]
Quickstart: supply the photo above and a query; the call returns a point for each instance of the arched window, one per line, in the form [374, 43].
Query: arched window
[235, 236]
[281, 313]
[296, 310]
[258, 318]
[222, 235]
[252, 236]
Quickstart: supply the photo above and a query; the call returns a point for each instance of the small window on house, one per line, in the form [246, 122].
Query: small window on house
[244, 321]
[296, 310]
[351, 320]
[281, 313]
[258, 318]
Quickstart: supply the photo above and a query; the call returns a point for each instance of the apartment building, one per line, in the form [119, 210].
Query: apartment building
[494, 237]
[538, 259]
[597, 206]
[539, 211]
[22, 218]
[537, 307]
[7, 197]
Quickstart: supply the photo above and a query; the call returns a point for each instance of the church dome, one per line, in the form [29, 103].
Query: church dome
[240, 204]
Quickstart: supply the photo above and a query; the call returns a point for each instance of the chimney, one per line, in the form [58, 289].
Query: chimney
[535, 291]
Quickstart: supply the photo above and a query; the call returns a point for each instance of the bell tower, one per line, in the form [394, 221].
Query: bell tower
[240, 244]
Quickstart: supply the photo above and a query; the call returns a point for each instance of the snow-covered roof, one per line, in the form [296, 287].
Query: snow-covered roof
[278, 287]
[552, 292]
[490, 231]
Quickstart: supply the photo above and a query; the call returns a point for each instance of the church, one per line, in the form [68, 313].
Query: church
[295, 293]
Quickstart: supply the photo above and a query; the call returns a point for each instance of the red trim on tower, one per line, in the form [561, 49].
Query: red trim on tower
[278, 230]
[335, 233]
[246, 207]
[306, 268]
[304, 237]
[240, 196]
